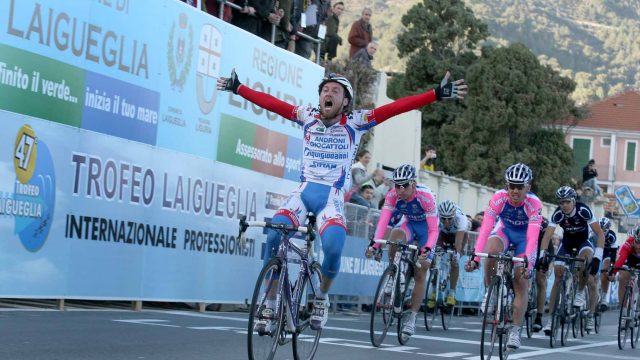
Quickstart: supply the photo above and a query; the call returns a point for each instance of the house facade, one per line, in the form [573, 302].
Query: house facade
[611, 136]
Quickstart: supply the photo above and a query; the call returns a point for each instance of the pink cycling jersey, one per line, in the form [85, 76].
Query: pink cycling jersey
[524, 217]
[421, 206]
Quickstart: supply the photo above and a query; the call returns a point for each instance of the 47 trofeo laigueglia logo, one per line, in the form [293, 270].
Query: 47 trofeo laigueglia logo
[32, 201]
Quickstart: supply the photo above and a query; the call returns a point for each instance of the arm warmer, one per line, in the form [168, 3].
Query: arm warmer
[268, 102]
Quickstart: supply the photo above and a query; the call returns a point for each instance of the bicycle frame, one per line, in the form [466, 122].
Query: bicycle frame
[283, 250]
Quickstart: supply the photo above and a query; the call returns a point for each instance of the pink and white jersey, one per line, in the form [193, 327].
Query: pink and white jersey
[525, 217]
[328, 153]
[421, 207]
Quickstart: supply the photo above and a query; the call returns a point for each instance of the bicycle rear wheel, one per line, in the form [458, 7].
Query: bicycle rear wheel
[305, 339]
[382, 308]
[265, 326]
[624, 328]
[490, 320]
[431, 299]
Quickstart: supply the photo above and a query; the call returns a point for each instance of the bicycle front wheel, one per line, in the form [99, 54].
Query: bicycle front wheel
[531, 308]
[446, 310]
[625, 330]
[305, 339]
[490, 320]
[382, 307]
[431, 299]
[558, 316]
[265, 322]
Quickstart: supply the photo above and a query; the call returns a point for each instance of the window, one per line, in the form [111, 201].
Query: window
[630, 156]
[606, 142]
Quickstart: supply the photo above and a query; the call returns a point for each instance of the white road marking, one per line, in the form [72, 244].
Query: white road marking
[446, 355]
[155, 322]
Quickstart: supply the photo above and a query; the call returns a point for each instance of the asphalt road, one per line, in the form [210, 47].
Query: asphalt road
[111, 332]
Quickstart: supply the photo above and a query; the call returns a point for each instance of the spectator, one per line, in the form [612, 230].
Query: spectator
[247, 18]
[212, 7]
[332, 39]
[477, 221]
[316, 16]
[590, 177]
[279, 15]
[361, 33]
[359, 169]
[363, 196]
[428, 162]
[365, 55]
[381, 185]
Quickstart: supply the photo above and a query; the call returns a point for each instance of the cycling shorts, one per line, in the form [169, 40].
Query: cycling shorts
[565, 250]
[415, 231]
[509, 236]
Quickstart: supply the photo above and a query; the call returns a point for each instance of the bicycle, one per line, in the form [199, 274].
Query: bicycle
[289, 320]
[629, 319]
[498, 309]
[532, 305]
[564, 311]
[392, 299]
[438, 286]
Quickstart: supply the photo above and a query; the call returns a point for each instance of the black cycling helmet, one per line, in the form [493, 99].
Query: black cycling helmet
[337, 78]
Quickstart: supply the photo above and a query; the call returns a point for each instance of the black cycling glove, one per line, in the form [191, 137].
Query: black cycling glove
[232, 83]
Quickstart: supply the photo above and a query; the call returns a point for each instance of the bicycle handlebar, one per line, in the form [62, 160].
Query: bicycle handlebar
[402, 245]
[500, 257]
[302, 229]
[567, 258]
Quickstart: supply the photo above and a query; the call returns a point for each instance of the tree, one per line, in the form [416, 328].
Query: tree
[512, 107]
[440, 36]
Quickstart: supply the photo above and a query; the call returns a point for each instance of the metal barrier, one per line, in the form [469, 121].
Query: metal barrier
[318, 41]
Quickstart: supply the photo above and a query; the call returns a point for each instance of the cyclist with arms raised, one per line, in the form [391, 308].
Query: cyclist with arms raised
[578, 222]
[629, 255]
[331, 136]
[414, 205]
[453, 231]
[513, 217]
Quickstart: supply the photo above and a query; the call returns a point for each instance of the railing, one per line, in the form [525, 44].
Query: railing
[318, 41]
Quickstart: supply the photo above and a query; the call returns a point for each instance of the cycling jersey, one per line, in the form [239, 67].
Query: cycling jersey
[518, 225]
[629, 254]
[419, 209]
[328, 153]
[459, 223]
[610, 248]
[576, 226]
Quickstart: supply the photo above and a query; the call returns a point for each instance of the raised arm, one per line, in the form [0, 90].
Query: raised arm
[261, 99]
[445, 90]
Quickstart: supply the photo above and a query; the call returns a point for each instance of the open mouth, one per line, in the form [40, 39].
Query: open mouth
[328, 103]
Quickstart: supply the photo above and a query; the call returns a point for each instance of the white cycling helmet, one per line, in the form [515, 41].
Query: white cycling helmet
[518, 174]
[404, 173]
[447, 209]
[337, 78]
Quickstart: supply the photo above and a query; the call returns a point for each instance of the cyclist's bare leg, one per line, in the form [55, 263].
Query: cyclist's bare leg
[421, 283]
[521, 290]
[541, 291]
[558, 271]
[396, 234]
[589, 280]
[604, 277]
[455, 271]
[494, 246]
[623, 279]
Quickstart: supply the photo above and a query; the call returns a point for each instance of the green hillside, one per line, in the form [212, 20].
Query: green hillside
[595, 42]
